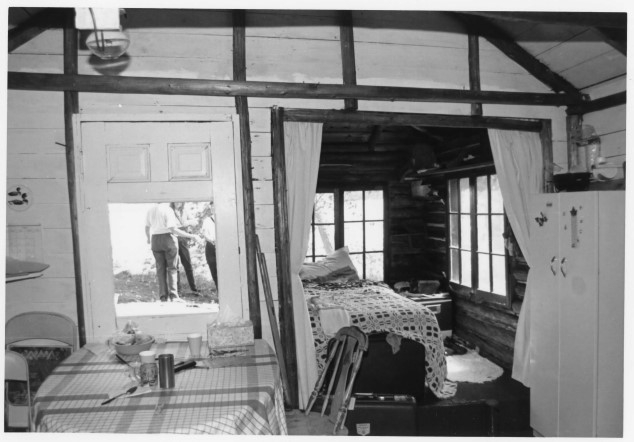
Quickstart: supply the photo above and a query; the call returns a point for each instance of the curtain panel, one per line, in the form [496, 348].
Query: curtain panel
[302, 147]
[518, 164]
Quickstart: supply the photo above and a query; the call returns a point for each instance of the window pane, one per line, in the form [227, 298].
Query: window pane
[453, 196]
[309, 250]
[484, 277]
[374, 236]
[497, 233]
[353, 206]
[499, 275]
[325, 239]
[357, 260]
[465, 265]
[465, 196]
[483, 233]
[454, 235]
[353, 236]
[374, 205]
[483, 194]
[465, 232]
[325, 208]
[455, 265]
[496, 196]
[374, 266]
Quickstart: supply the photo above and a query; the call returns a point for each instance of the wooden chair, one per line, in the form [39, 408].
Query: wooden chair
[346, 352]
[16, 369]
[46, 327]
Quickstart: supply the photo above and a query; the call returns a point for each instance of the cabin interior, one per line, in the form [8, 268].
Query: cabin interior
[406, 102]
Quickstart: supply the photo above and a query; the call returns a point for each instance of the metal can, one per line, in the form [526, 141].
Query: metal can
[166, 370]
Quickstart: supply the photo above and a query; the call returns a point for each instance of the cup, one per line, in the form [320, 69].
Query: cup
[147, 357]
[195, 341]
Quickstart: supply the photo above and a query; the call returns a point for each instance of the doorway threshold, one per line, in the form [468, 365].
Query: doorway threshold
[136, 309]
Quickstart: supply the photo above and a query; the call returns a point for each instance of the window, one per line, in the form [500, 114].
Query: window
[477, 256]
[353, 218]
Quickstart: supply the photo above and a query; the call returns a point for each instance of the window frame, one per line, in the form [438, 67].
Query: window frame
[340, 224]
[469, 291]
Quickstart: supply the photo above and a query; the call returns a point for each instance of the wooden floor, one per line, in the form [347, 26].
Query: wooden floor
[496, 408]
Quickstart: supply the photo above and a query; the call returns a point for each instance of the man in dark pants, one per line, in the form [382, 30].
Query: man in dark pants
[209, 233]
[183, 247]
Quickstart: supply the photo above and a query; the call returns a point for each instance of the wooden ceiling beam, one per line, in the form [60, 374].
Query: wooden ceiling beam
[403, 119]
[45, 19]
[615, 20]
[226, 88]
[598, 104]
[501, 40]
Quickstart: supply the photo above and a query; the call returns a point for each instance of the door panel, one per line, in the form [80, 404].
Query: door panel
[579, 312]
[545, 304]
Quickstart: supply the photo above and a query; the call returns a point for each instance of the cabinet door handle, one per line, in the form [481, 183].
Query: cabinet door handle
[562, 267]
[553, 261]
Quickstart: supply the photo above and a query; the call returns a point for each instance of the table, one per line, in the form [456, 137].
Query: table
[235, 395]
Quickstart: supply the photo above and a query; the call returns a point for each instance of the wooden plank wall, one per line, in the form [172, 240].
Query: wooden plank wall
[303, 46]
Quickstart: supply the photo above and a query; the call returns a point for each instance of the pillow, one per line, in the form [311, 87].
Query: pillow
[336, 267]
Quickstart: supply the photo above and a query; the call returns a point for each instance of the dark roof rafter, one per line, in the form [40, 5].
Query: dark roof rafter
[41, 21]
[615, 20]
[498, 38]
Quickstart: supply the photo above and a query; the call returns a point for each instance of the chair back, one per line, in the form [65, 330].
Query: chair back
[16, 368]
[345, 353]
[41, 325]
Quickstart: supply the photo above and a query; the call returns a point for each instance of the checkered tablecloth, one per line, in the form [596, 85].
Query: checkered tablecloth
[238, 395]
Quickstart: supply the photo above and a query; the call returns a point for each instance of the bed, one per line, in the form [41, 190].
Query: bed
[375, 308]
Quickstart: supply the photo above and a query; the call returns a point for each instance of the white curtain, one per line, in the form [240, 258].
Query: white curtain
[302, 146]
[518, 164]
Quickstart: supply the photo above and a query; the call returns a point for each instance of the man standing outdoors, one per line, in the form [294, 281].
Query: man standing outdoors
[208, 231]
[185, 222]
[161, 231]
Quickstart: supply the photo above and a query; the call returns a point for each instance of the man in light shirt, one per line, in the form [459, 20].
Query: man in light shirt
[208, 231]
[161, 230]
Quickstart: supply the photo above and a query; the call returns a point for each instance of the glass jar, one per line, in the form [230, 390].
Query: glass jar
[149, 374]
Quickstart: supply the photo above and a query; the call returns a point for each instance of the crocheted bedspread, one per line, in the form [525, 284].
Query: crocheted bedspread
[374, 307]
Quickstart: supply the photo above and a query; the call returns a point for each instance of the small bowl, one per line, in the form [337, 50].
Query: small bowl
[133, 349]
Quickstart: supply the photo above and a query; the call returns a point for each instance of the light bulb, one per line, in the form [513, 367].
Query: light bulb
[108, 44]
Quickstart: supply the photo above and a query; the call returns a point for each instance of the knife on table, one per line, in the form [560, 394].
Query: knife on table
[128, 391]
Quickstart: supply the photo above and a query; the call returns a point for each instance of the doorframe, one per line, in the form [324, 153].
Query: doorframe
[280, 115]
[105, 321]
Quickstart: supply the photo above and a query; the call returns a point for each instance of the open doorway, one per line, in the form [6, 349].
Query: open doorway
[134, 266]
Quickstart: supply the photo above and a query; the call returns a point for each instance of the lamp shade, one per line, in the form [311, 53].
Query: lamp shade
[108, 44]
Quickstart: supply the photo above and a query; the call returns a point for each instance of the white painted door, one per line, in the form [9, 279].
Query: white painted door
[136, 159]
[544, 314]
[578, 314]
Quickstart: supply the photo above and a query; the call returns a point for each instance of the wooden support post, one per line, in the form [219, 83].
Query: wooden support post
[573, 130]
[348, 63]
[546, 137]
[71, 107]
[282, 246]
[474, 71]
[242, 109]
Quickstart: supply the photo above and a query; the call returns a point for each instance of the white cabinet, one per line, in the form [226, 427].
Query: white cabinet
[577, 243]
